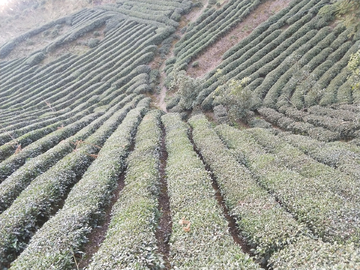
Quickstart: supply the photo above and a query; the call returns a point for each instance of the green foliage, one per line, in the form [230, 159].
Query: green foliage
[208, 243]
[186, 87]
[348, 11]
[130, 241]
[66, 232]
[233, 95]
[316, 254]
[266, 226]
[354, 67]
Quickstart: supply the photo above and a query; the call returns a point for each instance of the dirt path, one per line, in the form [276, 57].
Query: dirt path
[212, 57]
[191, 17]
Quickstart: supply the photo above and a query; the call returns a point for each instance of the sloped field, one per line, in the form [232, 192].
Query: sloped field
[94, 176]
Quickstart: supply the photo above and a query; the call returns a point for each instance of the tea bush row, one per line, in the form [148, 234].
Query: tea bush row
[207, 240]
[328, 207]
[12, 186]
[130, 240]
[47, 190]
[265, 225]
[64, 234]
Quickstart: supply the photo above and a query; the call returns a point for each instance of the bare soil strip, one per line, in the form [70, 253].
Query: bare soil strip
[212, 57]
[164, 229]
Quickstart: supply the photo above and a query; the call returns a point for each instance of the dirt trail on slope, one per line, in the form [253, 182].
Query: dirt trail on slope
[157, 63]
[212, 57]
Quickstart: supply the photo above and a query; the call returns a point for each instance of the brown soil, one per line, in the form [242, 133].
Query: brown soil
[165, 223]
[212, 57]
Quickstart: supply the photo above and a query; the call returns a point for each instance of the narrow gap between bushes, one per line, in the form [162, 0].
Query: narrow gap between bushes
[232, 227]
[98, 234]
[164, 229]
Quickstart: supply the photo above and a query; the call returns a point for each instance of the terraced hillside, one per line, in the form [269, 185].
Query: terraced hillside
[251, 165]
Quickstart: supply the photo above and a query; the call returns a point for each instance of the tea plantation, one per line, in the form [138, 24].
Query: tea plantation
[255, 165]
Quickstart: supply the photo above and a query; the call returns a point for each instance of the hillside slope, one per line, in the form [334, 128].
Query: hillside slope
[252, 162]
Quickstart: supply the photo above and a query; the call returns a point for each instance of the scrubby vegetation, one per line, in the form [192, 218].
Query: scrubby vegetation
[255, 166]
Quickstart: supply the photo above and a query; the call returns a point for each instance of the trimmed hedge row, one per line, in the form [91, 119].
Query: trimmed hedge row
[116, 55]
[14, 120]
[207, 244]
[262, 221]
[337, 112]
[208, 31]
[344, 129]
[285, 84]
[44, 143]
[314, 254]
[297, 127]
[63, 235]
[20, 179]
[250, 153]
[335, 154]
[329, 212]
[214, 16]
[274, 22]
[46, 191]
[228, 16]
[273, 54]
[294, 159]
[130, 240]
[32, 134]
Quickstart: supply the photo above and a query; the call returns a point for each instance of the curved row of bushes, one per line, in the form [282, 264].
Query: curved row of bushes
[47, 190]
[64, 234]
[209, 30]
[306, 195]
[15, 183]
[205, 241]
[265, 225]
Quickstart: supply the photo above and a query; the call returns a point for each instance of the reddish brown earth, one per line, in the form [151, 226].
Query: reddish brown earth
[212, 57]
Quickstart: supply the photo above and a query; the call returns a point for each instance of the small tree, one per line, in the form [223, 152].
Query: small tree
[349, 12]
[188, 88]
[235, 97]
[354, 67]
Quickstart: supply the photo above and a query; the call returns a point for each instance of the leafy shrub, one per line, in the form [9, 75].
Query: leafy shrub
[135, 215]
[238, 99]
[187, 88]
[93, 42]
[310, 253]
